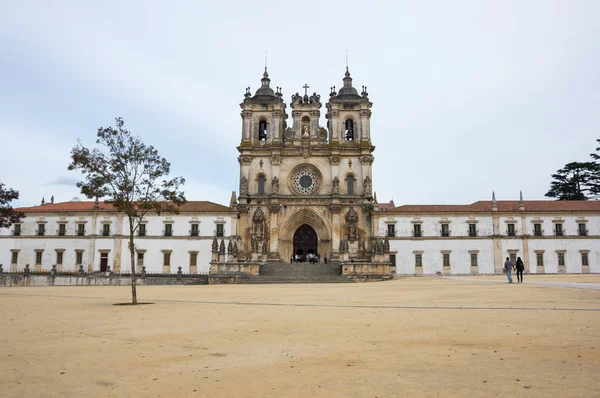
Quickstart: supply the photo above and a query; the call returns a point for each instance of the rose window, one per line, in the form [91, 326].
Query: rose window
[305, 180]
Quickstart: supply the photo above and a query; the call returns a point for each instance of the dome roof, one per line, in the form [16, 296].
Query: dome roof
[348, 92]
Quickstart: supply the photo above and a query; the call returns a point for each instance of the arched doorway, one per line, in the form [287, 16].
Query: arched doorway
[306, 240]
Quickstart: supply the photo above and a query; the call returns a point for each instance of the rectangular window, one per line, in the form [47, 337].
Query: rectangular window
[220, 229]
[142, 230]
[80, 229]
[537, 229]
[79, 258]
[193, 259]
[511, 230]
[584, 259]
[166, 259]
[59, 258]
[41, 230]
[391, 230]
[15, 257]
[140, 259]
[582, 229]
[540, 258]
[194, 231]
[445, 230]
[261, 185]
[558, 229]
[17, 230]
[105, 229]
[561, 259]
[446, 258]
[350, 185]
[418, 260]
[473, 259]
[393, 259]
[168, 229]
[62, 229]
[417, 230]
[472, 229]
[38, 257]
[513, 258]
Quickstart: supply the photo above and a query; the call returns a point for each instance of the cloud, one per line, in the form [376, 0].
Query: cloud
[69, 181]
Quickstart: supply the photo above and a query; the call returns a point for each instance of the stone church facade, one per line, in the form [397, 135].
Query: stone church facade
[307, 189]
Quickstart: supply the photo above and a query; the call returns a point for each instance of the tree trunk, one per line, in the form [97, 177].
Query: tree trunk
[132, 254]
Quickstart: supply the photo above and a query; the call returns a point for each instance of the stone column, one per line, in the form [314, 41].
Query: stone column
[274, 232]
[497, 241]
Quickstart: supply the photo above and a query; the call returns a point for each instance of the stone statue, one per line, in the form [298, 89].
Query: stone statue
[258, 221]
[305, 132]
[351, 221]
[336, 186]
[243, 186]
[275, 184]
[367, 186]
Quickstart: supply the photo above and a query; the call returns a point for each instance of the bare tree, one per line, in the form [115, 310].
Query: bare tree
[128, 175]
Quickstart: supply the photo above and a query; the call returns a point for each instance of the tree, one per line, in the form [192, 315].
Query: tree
[595, 179]
[573, 182]
[130, 176]
[8, 215]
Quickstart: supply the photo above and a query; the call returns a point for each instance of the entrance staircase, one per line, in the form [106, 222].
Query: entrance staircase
[301, 273]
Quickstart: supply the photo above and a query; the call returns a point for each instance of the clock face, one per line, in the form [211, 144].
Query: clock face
[305, 180]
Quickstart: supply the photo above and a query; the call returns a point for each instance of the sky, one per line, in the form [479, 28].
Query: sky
[469, 97]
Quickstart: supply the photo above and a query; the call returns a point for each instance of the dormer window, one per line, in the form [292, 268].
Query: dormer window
[261, 185]
[262, 130]
[349, 130]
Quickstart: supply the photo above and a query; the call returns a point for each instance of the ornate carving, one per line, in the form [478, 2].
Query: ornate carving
[386, 245]
[334, 159]
[365, 113]
[367, 207]
[245, 159]
[315, 98]
[264, 247]
[222, 247]
[258, 222]
[351, 222]
[230, 247]
[305, 130]
[367, 159]
[243, 208]
[276, 160]
[243, 186]
[322, 134]
[305, 151]
[334, 113]
[276, 114]
[275, 185]
[289, 134]
[215, 245]
[247, 114]
[336, 186]
[367, 186]
[335, 208]
[274, 208]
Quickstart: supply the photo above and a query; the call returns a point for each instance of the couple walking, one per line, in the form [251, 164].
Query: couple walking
[519, 267]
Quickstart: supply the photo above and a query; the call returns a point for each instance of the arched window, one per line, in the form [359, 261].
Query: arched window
[350, 181]
[349, 130]
[261, 185]
[262, 130]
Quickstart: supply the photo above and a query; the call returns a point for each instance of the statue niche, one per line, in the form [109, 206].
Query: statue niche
[336, 186]
[258, 223]
[351, 224]
[275, 185]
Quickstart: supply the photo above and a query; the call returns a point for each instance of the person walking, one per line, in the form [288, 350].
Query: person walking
[520, 267]
[508, 266]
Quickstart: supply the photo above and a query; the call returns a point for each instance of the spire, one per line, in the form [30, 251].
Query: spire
[494, 204]
[375, 197]
[521, 202]
[233, 200]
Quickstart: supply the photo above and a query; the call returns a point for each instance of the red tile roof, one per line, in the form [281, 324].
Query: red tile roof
[77, 206]
[505, 206]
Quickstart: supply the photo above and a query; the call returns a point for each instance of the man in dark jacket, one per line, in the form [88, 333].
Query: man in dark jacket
[520, 268]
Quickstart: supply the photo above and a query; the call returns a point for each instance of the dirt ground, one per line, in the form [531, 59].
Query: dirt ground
[407, 337]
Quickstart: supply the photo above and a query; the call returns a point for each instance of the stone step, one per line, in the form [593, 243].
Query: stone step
[300, 269]
[274, 279]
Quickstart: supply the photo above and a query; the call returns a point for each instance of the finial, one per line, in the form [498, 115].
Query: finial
[265, 60]
[494, 204]
[375, 197]
[521, 202]
[52, 199]
[43, 201]
[346, 60]
[493, 196]
[521, 196]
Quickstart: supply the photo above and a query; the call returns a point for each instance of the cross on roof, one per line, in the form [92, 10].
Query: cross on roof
[305, 87]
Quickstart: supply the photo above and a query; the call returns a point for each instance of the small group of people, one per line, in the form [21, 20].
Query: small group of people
[509, 267]
[307, 258]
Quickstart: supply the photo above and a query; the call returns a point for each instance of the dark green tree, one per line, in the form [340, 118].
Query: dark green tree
[595, 179]
[573, 182]
[130, 176]
[8, 215]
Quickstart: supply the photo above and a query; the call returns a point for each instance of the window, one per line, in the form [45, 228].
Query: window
[59, 257]
[472, 229]
[537, 229]
[261, 185]
[140, 259]
[446, 259]
[584, 259]
[105, 229]
[513, 258]
[262, 130]
[15, 257]
[79, 257]
[561, 259]
[62, 229]
[17, 230]
[80, 229]
[41, 231]
[38, 257]
[417, 230]
[418, 260]
[558, 229]
[473, 259]
[349, 130]
[142, 230]
[350, 181]
[194, 231]
[445, 230]
[220, 230]
[168, 229]
[193, 259]
[393, 259]
[166, 259]
[511, 230]
[582, 230]
[391, 230]
[540, 259]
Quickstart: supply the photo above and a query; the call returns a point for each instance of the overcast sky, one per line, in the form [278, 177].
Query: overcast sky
[469, 96]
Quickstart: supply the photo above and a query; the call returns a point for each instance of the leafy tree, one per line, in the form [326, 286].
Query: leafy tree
[595, 179]
[8, 215]
[130, 176]
[573, 182]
